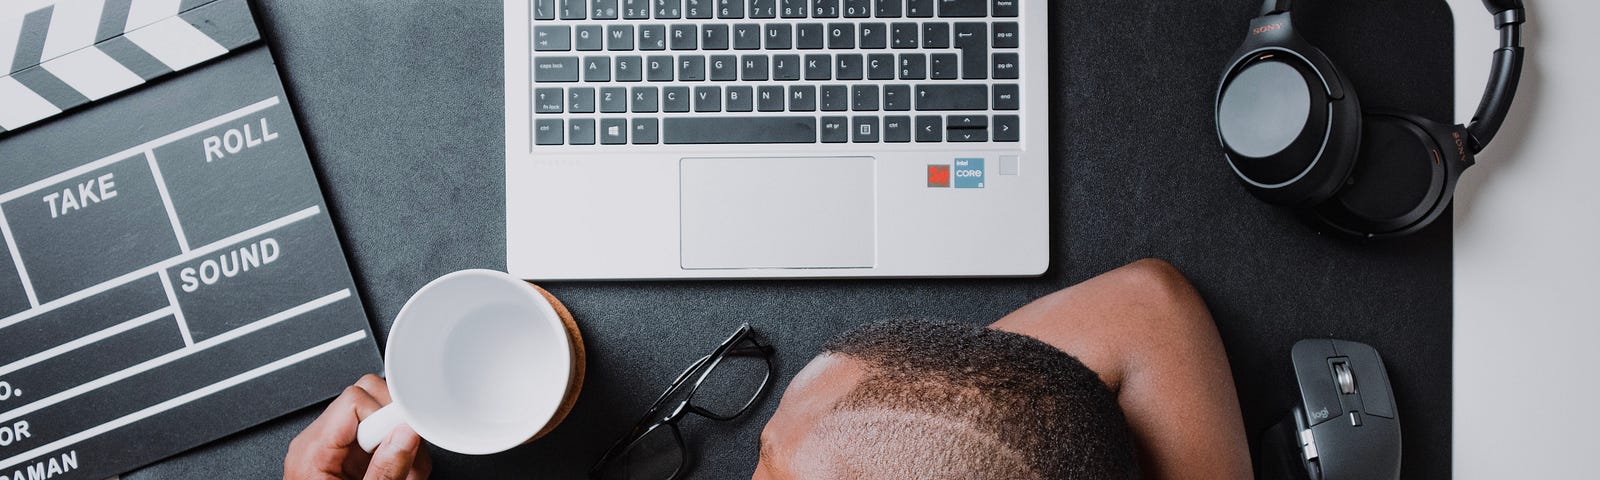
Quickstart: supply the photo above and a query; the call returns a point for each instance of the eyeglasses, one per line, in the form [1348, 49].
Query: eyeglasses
[720, 386]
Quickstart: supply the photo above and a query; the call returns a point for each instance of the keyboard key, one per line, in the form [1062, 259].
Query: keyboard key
[555, 69]
[780, 36]
[919, 8]
[835, 129]
[580, 100]
[786, 67]
[730, 8]
[935, 35]
[809, 36]
[903, 35]
[552, 38]
[880, 66]
[544, 10]
[769, 98]
[645, 131]
[964, 8]
[683, 37]
[1007, 128]
[691, 68]
[614, 131]
[897, 129]
[897, 98]
[841, 35]
[636, 9]
[835, 98]
[603, 10]
[698, 9]
[747, 37]
[613, 100]
[740, 99]
[581, 131]
[802, 98]
[930, 129]
[573, 9]
[889, 8]
[548, 131]
[714, 37]
[819, 67]
[874, 36]
[952, 97]
[1005, 35]
[824, 8]
[966, 121]
[724, 68]
[753, 68]
[851, 67]
[644, 100]
[619, 38]
[591, 38]
[707, 99]
[943, 66]
[739, 130]
[1006, 8]
[857, 8]
[792, 8]
[865, 130]
[653, 37]
[675, 99]
[763, 8]
[913, 66]
[548, 100]
[668, 9]
[658, 68]
[1005, 66]
[1007, 97]
[630, 68]
[967, 135]
[864, 98]
[596, 69]
[973, 41]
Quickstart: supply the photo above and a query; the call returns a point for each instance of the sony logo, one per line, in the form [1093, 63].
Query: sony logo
[1461, 145]
[1266, 28]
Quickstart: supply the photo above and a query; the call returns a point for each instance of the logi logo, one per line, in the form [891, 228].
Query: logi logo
[1266, 28]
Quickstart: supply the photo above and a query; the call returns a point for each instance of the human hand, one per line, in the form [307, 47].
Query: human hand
[327, 448]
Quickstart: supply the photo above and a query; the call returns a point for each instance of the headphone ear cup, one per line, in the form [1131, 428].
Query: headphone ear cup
[1398, 184]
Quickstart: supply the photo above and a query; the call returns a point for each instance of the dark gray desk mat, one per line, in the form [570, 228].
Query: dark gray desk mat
[401, 104]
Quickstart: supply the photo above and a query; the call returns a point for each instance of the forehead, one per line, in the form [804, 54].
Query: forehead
[809, 398]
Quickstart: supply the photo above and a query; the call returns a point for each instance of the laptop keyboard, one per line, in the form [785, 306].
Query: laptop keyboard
[694, 72]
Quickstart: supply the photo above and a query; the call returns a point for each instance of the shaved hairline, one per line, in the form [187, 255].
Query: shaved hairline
[852, 443]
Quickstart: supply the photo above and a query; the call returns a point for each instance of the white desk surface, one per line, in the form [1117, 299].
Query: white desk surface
[1527, 300]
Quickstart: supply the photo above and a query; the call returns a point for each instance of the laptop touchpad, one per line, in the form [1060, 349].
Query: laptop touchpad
[778, 212]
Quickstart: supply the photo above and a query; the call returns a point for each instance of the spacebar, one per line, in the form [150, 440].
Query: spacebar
[681, 131]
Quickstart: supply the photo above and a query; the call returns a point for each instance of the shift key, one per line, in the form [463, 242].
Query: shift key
[952, 97]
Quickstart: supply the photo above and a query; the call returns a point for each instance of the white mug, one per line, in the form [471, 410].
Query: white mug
[478, 362]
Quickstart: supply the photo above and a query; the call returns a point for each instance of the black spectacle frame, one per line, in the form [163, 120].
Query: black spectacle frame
[665, 413]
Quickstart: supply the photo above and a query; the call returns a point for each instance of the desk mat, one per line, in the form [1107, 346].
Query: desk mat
[401, 103]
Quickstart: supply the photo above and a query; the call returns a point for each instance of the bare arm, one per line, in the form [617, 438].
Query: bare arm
[1148, 334]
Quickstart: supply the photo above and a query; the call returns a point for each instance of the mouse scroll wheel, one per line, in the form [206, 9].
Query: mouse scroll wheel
[1342, 376]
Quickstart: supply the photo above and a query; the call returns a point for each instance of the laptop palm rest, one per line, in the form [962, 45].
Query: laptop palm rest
[743, 213]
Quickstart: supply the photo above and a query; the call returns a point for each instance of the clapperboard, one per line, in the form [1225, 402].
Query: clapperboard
[169, 272]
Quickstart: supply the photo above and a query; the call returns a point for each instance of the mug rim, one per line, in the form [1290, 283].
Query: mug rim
[397, 330]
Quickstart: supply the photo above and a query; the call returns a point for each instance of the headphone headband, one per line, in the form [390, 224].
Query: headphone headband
[1506, 70]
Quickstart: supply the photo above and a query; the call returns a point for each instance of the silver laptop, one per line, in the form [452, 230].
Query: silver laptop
[652, 139]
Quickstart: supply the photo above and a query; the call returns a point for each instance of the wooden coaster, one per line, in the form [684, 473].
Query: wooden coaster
[579, 363]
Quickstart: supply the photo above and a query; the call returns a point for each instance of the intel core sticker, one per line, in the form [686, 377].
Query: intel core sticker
[969, 173]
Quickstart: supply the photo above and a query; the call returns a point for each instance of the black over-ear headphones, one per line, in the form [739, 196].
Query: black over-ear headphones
[1295, 134]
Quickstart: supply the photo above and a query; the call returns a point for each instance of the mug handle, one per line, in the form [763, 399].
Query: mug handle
[377, 426]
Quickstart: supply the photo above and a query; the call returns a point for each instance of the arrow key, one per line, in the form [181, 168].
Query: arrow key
[1007, 128]
[930, 129]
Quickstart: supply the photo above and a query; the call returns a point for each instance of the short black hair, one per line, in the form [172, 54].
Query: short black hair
[1040, 404]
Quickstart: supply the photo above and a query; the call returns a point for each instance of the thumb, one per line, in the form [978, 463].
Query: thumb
[392, 460]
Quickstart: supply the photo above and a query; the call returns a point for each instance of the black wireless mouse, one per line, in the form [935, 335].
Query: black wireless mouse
[1345, 425]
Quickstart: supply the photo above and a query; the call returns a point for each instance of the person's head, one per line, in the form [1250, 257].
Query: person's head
[914, 399]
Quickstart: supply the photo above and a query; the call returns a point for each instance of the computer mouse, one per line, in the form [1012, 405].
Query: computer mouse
[1346, 423]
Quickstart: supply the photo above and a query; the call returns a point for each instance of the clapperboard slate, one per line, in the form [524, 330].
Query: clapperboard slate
[169, 273]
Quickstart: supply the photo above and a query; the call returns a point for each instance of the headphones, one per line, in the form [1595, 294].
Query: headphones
[1295, 134]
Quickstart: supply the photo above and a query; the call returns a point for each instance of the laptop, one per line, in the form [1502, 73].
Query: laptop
[667, 139]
